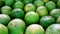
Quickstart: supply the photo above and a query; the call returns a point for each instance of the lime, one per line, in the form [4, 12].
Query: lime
[17, 13]
[16, 26]
[29, 7]
[31, 18]
[46, 21]
[53, 29]
[34, 29]
[6, 10]
[42, 11]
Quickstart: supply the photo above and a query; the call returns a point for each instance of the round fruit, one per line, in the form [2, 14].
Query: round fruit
[55, 13]
[1, 3]
[17, 13]
[31, 18]
[58, 3]
[53, 29]
[18, 4]
[27, 1]
[50, 5]
[34, 29]
[16, 26]
[42, 11]
[58, 20]
[45, 1]
[38, 3]
[19, 0]
[9, 2]
[29, 7]
[47, 21]
[4, 19]
[6, 10]
[3, 29]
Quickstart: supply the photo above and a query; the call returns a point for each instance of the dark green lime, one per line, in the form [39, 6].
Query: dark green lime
[18, 4]
[4, 19]
[50, 5]
[17, 13]
[9, 2]
[46, 21]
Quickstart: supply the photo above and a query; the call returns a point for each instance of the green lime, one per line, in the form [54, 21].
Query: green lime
[29, 7]
[4, 19]
[50, 5]
[6, 10]
[18, 4]
[9, 2]
[55, 13]
[38, 3]
[17, 13]
[31, 18]
[53, 29]
[16, 26]
[42, 11]
[34, 29]
[3, 29]
[46, 21]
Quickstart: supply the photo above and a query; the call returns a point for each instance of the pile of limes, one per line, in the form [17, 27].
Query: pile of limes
[29, 16]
